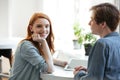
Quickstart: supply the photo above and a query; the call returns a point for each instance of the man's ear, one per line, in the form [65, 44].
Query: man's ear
[103, 24]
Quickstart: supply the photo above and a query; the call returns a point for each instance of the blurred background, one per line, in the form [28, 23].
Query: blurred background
[15, 14]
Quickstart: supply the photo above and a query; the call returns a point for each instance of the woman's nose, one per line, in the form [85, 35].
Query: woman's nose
[43, 28]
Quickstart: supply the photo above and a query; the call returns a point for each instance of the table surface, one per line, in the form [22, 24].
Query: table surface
[58, 74]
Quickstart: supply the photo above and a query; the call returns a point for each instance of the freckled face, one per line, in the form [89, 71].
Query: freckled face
[42, 27]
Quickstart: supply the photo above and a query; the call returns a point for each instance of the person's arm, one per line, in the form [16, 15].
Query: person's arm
[79, 71]
[46, 51]
[59, 62]
[31, 54]
[96, 63]
[47, 56]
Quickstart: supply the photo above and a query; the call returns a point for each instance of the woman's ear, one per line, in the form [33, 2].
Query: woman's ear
[31, 28]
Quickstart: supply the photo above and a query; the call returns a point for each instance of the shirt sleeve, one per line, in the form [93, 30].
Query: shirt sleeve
[79, 74]
[96, 62]
[31, 54]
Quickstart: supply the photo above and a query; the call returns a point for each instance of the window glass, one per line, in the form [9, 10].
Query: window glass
[64, 13]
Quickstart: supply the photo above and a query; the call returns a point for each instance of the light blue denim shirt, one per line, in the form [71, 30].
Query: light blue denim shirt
[28, 63]
[104, 60]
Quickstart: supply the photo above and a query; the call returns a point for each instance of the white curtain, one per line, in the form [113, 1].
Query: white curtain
[117, 3]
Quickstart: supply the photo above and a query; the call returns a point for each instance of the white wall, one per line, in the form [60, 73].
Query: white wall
[20, 12]
[4, 32]
[94, 2]
[61, 13]
[14, 16]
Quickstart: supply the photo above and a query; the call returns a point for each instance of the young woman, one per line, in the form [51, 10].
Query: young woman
[34, 53]
[104, 58]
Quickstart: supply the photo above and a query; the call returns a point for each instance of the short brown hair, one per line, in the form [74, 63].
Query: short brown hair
[106, 12]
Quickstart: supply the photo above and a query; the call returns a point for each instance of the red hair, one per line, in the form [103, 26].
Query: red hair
[49, 39]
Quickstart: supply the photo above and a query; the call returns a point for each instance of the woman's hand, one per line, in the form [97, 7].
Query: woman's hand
[64, 63]
[36, 37]
[60, 62]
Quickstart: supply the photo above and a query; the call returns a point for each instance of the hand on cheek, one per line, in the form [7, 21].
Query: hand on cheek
[36, 37]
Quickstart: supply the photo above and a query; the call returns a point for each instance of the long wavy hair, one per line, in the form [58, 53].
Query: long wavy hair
[49, 39]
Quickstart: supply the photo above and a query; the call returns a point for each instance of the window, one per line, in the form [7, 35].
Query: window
[64, 13]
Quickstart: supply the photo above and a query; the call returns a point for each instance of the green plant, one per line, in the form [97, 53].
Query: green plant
[86, 39]
[90, 38]
[83, 37]
[78, 32]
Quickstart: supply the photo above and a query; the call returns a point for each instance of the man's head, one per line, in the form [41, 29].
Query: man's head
[106, 12]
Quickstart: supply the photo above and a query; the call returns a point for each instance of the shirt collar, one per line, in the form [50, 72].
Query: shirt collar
[112, 34]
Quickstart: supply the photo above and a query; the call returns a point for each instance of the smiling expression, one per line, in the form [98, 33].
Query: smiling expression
[41, 26]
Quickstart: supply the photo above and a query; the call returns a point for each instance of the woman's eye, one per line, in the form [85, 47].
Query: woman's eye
[47, 26]
[38, 26]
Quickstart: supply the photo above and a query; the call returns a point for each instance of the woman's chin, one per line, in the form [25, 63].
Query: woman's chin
[44, 37]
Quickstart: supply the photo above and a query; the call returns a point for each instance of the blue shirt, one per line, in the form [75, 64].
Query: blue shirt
[28, 63]
[104, 60]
